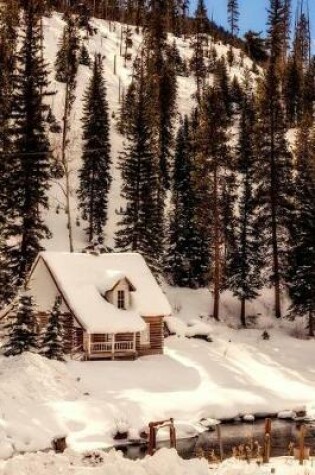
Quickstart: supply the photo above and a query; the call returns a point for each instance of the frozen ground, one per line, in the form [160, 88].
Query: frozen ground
[164, 462]
[238, 372]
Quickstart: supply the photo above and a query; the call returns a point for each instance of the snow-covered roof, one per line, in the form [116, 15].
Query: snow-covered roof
[83, 279]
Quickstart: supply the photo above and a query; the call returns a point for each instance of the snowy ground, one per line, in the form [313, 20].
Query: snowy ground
[164, 462]
[238, 372]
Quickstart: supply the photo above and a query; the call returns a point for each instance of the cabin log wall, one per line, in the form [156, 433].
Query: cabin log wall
[156, 337]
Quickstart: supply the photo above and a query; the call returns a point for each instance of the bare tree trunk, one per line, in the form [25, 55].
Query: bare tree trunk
[65, 165]
[243, 312]
[217, 270]
[274, 211]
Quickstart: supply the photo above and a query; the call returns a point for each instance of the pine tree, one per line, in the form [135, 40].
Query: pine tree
[233, 16]
[28, 175]
[84, 58]
[161, 77]
[200, 45]
[23, 331]
[301, 43]
[215, 163]
[293, 91]
[67, 59]
[95, 178]
[140, 228]
[255, 46]
[301, 275]
[274, 177]
[8, 43]
[245, 261]
[52, 345]
[277, 32]
[183, 264]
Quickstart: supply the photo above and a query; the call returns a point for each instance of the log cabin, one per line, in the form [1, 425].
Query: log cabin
[112, 304]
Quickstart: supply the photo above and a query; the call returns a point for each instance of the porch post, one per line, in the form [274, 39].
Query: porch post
[89, 344]
[113, 346]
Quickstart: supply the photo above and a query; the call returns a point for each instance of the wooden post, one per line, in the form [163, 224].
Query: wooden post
[113, 346]
[267, 441]
[172, 435]
[218, 427]
[115, 64]
[302, 444]
[152, 439]
[59, 444]
[89, 344]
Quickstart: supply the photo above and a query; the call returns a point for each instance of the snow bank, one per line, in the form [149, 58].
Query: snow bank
[29, 384]
[279, 466]
[164, 462]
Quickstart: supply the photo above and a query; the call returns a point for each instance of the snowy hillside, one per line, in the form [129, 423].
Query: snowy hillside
[107, 42]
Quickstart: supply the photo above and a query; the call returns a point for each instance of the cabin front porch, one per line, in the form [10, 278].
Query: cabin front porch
[119, 345]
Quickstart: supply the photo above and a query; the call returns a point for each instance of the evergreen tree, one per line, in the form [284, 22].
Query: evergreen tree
[84, 58]
[302, 44]
[29, 163]
[222, 83]
[274, 178]
[95, 178]
[67, 59]
[8, 40]
[23, 331]
[161, 76]
[233, 16]
[277, 32]
[183, 255]
[245, 261]
[52, 345]
[215, 164]
[293, 91]
[255, 46]
[301, 276]
[140, 228]
[200, 45]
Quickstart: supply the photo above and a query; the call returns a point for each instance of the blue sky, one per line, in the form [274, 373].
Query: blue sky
[253, 13]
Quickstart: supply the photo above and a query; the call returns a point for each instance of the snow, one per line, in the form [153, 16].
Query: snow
[83, 280]
[28, 385]
[238, 373]
[164, 462]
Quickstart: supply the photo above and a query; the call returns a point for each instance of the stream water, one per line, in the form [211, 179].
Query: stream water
[233, 434]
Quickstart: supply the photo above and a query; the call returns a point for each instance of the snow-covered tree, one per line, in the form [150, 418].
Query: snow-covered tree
[95, 178]
[301, 275]
[183, 263]
[53, 344]
[245, 262]
[140, 226]
[23, 335]
[28, 168]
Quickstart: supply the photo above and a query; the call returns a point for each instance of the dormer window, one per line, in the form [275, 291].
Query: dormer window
[121, 299]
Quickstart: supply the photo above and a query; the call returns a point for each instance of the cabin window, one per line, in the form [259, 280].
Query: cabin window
[145, 335]
[121, 299]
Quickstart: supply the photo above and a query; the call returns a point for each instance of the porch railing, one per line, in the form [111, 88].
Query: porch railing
[108, 347]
